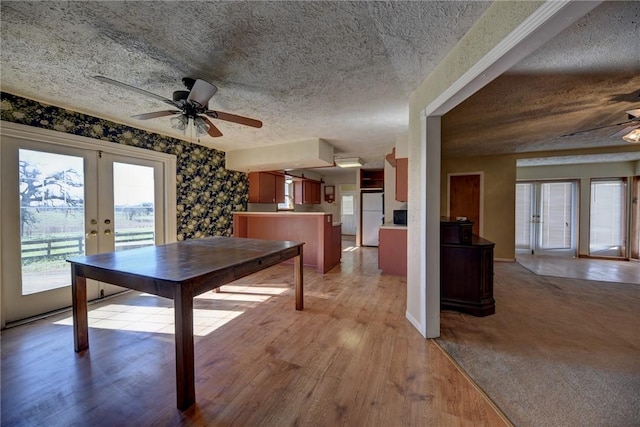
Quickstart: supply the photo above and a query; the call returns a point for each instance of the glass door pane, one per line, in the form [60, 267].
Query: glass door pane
[134, 206]
[556, 216]
[634, 234]
[51, 191]
[607, 218]
[48, 211]
[130, 205]
[524, 214]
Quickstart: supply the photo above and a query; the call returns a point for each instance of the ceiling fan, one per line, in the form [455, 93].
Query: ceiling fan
[192, 104]
[630, 133]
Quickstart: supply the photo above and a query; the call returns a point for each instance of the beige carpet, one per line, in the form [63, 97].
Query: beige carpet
[558, 352]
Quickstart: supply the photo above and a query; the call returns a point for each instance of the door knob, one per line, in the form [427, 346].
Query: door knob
[107, 221]
[92, 233]
[107, 232]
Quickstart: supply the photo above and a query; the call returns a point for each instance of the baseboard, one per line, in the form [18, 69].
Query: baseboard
[505, 259]
[605, 258]
[416, 324]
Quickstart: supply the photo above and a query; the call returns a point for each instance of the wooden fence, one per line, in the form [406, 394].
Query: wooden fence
[63, 247]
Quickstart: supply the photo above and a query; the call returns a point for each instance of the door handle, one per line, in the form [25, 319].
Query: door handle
[107, 232]
[92, 233]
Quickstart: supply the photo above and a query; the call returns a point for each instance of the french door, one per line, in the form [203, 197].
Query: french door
[608, 218]
[60, 201]
[546, 217]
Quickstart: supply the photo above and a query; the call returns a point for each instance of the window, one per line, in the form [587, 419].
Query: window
[288, 196]
[524, 213]
[347, 205]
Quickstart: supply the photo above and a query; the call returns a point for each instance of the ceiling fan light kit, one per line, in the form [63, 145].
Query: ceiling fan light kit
[192, 104]
[349, 162]
[180, 123]
[202, 127]
[633, 136]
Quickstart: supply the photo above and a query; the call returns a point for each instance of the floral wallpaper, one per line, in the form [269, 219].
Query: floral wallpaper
[207, 193]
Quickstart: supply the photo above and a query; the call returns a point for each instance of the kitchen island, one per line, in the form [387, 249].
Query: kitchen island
[322, 237]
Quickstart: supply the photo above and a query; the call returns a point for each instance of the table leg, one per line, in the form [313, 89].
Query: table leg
[185, 371]
[79, 308]
[298, 280]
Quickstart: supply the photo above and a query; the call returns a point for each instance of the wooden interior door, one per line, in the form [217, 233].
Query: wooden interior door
[464, 198]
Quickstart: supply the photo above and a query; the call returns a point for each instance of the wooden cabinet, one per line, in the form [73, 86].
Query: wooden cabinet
[466, 277]
[322, 238]
[402, 179]
[372, 179]
[392, 250]
[266, 187]
[279, 188]
[307, 192]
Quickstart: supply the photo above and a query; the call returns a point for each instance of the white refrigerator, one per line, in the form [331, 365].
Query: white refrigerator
[372, 217]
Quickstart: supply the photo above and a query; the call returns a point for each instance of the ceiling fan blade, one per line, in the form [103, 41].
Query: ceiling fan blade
[234, 118]
[580, 132]
[626, 130]
[201, 93]
[633, 113]
[156, 114]
[213, 130]
[135, 89]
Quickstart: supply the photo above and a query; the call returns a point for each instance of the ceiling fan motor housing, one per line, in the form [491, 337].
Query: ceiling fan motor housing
[180, 95]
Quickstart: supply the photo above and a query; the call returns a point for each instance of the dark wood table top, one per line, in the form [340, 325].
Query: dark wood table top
[186, 260]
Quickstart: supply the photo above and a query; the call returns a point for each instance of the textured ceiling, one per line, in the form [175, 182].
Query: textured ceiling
[340, 71]
[585, 77]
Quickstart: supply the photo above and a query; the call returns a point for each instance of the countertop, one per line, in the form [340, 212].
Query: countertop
[283, 213]
[393, 227]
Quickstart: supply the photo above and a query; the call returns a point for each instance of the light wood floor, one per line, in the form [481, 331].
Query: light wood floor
[350, 358]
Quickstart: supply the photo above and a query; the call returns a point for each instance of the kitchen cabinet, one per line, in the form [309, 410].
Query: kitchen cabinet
[266, 187]
[402, 179]
[372, 179]
[392, 250]
[307, 192]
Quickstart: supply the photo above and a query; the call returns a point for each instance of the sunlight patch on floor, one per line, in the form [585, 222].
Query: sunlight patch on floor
[145, 318]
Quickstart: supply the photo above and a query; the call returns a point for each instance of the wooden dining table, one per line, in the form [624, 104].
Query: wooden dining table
[179, 271]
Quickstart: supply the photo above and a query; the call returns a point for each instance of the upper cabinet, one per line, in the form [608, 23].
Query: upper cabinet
[307, 192]
[372, 179]
[266, 187]
[402, 179]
